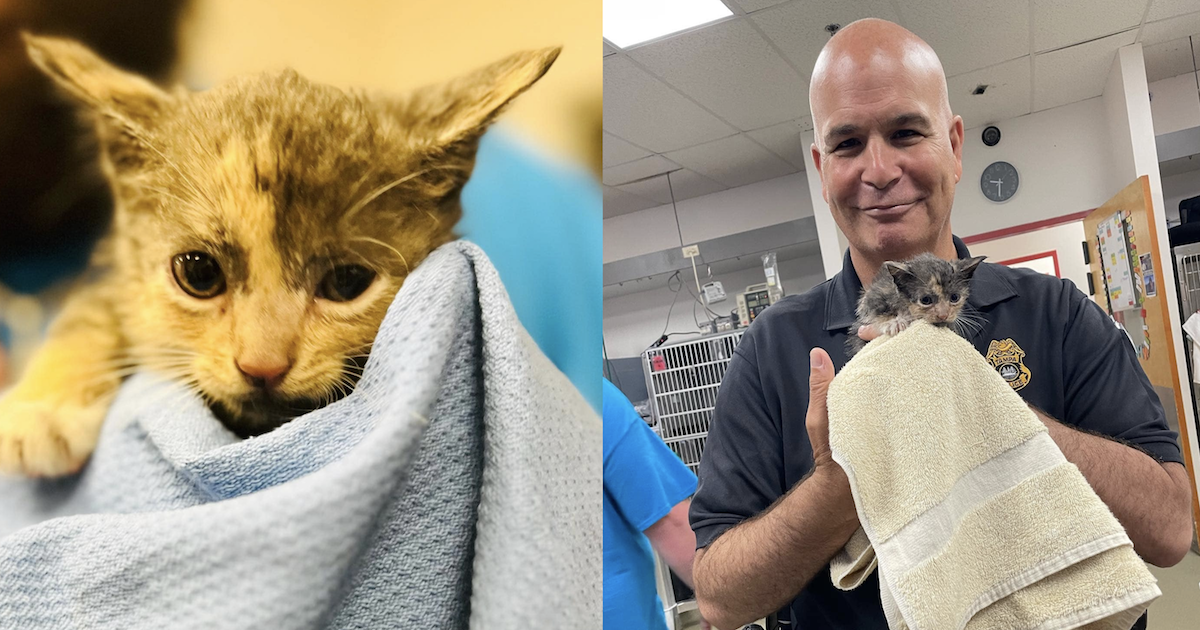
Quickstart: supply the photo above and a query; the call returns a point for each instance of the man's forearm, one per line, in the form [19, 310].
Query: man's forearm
[758, 566]
[1144, 497]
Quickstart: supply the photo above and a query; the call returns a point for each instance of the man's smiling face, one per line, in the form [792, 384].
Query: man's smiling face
[888, 150]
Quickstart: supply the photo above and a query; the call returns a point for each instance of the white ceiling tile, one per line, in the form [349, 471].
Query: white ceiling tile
[1167, 30]
[734, 161]
[609, 50]
[1075, 73]
[784, 139]
[1162, 9]
[1168, 59]
[798, 28]
[684, 183]
[654, 189]
[618, 151]
[1007, 94]
[630, 171]
[1059, 23]
[730, 69]
[688, 184]
[749, 6]
[971, 34]
[618, 202]
[643, 109]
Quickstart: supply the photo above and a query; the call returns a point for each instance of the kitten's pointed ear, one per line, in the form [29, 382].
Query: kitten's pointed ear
[897, 270]
[461, 110]
[969, 265]
[116, 95]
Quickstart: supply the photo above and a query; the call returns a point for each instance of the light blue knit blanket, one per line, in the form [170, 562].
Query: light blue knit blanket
[458, 486]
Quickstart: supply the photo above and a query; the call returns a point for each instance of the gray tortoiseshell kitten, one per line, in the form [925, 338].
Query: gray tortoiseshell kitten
[925, 287]
[261, 230]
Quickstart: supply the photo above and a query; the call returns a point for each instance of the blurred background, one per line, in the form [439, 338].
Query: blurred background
[396, 46]
[537, 168]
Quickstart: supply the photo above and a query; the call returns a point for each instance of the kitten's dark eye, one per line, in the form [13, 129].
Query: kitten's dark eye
[926, 300]
[954, 297]
[345, 282]
[198, 274]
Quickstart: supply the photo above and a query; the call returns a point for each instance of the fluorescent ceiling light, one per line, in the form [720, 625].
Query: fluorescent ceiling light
[630, 22]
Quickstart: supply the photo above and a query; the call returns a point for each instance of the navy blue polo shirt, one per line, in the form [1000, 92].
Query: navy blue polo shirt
[1054, 346]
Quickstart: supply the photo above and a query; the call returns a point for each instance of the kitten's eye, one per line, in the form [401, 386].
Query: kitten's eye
[954, 298]
[345, 282]
[926, 300]
[198, 274]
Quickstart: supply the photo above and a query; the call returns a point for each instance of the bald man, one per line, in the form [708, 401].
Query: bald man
[772, 508]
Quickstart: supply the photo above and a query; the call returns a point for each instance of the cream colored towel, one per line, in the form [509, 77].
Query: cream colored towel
[971, 513]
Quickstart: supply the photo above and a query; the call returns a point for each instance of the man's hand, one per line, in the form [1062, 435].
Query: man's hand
[758, 566]
[817, 420]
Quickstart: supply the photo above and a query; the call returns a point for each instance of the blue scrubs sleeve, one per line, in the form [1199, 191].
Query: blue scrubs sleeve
[642, 476]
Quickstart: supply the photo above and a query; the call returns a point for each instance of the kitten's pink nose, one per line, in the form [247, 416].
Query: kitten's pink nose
[263, 374]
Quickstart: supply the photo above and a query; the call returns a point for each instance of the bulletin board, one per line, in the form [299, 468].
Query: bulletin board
[1130, 215]
[1117, 241]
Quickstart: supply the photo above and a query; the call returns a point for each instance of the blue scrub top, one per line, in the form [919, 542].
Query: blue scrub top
[643, 480]
[540, 224]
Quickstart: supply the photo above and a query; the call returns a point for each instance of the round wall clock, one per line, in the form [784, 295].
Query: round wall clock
[999, 181]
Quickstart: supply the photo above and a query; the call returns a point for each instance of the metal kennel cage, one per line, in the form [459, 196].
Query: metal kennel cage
[682, 380]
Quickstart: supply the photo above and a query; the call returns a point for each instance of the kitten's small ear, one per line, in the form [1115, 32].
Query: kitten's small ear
[122, 105]
[121, 96]
[969, 265]
[897, 270]
[462, 109]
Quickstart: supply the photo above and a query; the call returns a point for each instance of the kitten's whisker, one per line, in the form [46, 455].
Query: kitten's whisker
[374, 194]
[134, 131]
[361, 180]
[190, 203]
[203, 146]
[376, 241]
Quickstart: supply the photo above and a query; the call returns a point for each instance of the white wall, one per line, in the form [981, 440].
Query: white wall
[833, 242]
[1063, 156]
[1175, 104]
[632, 322]
[1116, 110]
[702, 218]
[1176, 188]
[1064, 239]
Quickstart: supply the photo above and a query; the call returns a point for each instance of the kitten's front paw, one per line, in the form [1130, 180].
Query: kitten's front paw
[893, 327]
[42, 439]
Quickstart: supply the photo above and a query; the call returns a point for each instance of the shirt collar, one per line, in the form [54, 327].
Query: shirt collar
[988, 287]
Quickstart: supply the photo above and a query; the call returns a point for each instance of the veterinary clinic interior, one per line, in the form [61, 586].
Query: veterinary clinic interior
[1080, 160]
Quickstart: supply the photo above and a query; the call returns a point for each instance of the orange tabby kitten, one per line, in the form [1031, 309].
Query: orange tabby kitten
[261, 231]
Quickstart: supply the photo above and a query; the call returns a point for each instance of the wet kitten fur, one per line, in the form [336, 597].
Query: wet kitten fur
[894, 299]
[278, 179]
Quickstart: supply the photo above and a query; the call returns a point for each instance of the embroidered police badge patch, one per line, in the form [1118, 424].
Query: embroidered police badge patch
[1006, 356]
